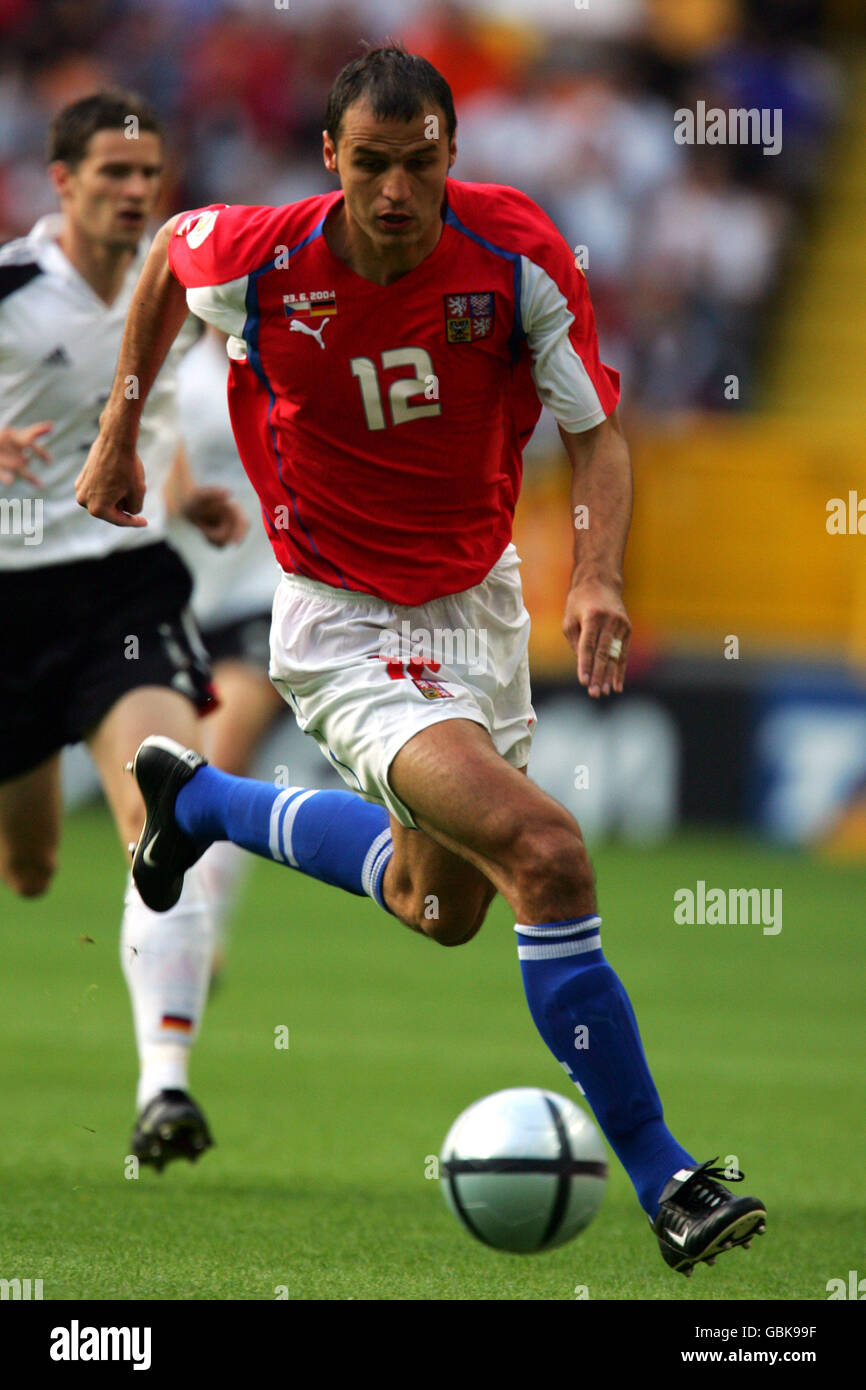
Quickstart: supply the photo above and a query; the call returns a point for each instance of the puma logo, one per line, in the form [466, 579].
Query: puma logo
[297, 327]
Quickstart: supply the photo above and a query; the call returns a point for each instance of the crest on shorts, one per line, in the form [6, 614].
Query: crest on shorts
[469, 316]
[432, 690]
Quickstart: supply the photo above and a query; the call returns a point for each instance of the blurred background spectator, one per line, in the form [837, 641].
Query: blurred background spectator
[573, 105]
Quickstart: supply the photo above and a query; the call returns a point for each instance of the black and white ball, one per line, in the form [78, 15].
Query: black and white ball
[524, 1169]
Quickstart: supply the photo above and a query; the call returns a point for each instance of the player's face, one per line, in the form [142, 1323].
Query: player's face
[393, 175]
[111, 192]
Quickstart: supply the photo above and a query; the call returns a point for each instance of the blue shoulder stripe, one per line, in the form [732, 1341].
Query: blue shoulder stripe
[517, 333]
[251, 337]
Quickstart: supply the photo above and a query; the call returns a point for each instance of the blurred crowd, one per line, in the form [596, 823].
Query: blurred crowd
[572, 101]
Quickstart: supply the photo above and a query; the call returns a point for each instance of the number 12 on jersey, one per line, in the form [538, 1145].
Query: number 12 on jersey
[399, 392]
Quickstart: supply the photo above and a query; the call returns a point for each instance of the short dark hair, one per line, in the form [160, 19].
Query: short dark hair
[398, 85]
[73, 127]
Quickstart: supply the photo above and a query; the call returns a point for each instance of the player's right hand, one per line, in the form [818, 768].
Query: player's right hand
[16, 449]
[111, 484]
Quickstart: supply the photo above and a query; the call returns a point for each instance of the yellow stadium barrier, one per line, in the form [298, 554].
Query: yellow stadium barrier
[735, 533]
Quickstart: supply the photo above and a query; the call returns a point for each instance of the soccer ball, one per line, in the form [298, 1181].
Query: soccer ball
[524, 1169]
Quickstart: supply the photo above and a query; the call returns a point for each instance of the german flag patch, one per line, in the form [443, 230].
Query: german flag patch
[177, 1022]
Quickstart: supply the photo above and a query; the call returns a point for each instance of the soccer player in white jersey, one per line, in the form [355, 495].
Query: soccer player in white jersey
[233, 593]
[97, 638]
[398, 335]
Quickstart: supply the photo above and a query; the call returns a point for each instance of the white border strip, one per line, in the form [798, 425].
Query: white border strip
[559, 948]
[273, 825]
[382, 840]
[565, 929]
[288, 822]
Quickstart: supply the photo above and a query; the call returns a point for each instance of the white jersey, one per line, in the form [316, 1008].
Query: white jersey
[236, 581]
[59, 344]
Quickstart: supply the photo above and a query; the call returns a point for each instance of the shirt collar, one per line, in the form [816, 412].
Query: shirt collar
[43, 236]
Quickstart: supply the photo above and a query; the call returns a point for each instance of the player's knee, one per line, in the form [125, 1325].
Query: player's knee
[455, 932]
[458, 922]
[550, 858]
[446, 923]
[28, 876]
[455, 929]
[447, 927]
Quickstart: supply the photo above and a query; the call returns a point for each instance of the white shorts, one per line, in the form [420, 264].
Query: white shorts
[358, 672]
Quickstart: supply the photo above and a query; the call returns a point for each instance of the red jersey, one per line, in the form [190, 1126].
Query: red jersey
[382, 425]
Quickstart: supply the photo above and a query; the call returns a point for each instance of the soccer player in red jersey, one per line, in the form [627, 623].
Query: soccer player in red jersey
[391, 343]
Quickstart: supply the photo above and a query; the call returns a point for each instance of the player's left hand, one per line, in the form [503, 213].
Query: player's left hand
[598, 628]
[216, 514]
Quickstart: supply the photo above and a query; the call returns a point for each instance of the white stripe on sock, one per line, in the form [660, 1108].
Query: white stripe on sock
[273, 826]
[562, 929]
[289, 822]
[553, 949]
[383, 859]
[368, 874]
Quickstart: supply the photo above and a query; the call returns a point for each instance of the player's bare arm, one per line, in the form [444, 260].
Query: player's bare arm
[213, 510]
[111, 485]
[601, 499]
[17, 447]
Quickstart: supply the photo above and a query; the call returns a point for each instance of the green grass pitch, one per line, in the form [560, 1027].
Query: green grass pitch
[317, 1186]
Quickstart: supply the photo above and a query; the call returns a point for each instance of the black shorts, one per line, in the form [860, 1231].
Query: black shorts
[244, 639]
[76, 637]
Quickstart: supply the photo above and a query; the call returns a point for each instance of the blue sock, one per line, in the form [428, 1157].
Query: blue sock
[583, 1014]
[334, 836]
